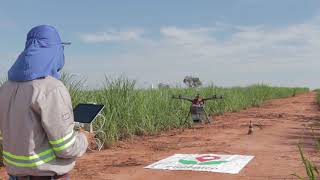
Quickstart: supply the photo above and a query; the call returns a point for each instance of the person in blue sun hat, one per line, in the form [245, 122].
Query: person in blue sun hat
[36, 115]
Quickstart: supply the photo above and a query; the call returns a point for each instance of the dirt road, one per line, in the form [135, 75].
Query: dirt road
[284, 123]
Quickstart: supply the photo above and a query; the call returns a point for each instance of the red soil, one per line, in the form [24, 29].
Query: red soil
[284, 123]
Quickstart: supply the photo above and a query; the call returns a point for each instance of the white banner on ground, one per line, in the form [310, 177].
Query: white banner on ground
[203, 162]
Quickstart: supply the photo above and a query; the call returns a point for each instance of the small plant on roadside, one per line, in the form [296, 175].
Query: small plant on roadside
[311, 169]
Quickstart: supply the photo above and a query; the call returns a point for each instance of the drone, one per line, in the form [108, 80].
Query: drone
[197, 110]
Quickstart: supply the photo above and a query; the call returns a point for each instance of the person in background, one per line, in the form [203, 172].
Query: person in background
[36, 116]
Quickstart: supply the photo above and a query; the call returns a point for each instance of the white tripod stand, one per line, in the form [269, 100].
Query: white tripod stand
[96, 128]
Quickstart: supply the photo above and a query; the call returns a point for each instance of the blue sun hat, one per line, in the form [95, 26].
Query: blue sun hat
[43, 55]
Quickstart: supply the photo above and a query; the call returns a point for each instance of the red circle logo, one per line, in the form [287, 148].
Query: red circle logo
[207, 158]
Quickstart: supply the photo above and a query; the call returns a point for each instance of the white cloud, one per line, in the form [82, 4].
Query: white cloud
[193, 35]
[112, 35]
[245, 42]
[223, 54]
[259, 45]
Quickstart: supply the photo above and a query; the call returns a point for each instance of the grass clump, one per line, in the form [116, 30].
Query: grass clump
[311, 169]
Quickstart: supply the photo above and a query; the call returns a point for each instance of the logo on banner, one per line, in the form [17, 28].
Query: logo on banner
[203, 160]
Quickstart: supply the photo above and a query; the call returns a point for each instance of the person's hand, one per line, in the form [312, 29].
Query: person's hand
[91, 139]
[88, 135]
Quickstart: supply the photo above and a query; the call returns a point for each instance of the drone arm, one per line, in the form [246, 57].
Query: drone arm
[182, 98]
[212, 98]
[185, 98]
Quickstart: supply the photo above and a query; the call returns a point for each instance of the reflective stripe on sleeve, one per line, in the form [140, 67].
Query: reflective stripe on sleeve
[61, 140]
[64, 142]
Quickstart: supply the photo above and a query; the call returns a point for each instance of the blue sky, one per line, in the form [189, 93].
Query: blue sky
[229, 42]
